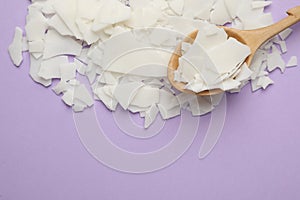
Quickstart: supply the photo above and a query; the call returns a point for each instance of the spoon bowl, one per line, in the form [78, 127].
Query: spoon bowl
[252, 38]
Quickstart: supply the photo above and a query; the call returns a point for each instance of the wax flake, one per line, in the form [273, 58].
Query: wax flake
[293, 62]
[16, 47]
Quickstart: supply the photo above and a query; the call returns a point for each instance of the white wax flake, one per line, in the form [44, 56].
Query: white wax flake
[36, 27]
[55, 45]
[67, 71]
[66, 10]
[167, 99]
[126, 62]
[68, 97]
[220, 14]
[36, 46]
[78, 106]
[232, 7]
[177, 6]
[124, 93]
[57, 23]
[283, 46]
[80, 67]
[145, 97]
[293, 62]
[108, 101]
[16, 47]
[82, 94]
[143, 17]
[150, 115]
[25, 46]
[260, 4]
[197, 9]
[61, 87]
[264, 82]
[51, 68]
[275, 61]
[199, 106]
[111, 12]
[148, 61]
[35, 65]
[286, 33]
[244, 74]
[167, 114]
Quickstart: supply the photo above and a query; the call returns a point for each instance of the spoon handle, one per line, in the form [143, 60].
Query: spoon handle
[263, 34]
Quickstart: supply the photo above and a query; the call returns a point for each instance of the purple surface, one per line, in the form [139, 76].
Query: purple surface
[41, 156]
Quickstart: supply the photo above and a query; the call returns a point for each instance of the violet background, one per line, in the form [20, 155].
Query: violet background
[41, 156]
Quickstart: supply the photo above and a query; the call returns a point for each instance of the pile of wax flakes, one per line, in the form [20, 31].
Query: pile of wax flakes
[123, 48]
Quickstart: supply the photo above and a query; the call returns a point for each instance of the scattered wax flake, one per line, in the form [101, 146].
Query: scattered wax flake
[177, 6]
[61, 87]
[200, 106]
[47, 8]
[264, 82]
[74, 82]
[155, 82]
[35, 65]
[90, 72]
[36, 46]
[82, 94]
[150, 115]
[80, 67]
[144, 17]
[16, 47]
[137, 63]
[109, 102]
[83, 55]
[220, 14]
[245, 73]
[275, 61]
[51, 68]
[145, 97]
[136, 109]
[67, 71]
[124, 93]
[68, 97]
[293, 62]
[283, 46]
[36, 27]
[111, 12]
[78, 106]
[167, 99]
[194, 9]
[232, 7]
[67, 10]
[229, 84]
[254, 85]
[25, 46]
[58, 24]
[55, 45]
[286, 33]
[168, 113]
[260, 4]
[258, 22]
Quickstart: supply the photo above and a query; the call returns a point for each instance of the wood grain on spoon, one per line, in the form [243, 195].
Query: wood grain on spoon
[252, 38]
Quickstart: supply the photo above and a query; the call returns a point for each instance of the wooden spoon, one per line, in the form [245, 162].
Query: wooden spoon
[252, 38]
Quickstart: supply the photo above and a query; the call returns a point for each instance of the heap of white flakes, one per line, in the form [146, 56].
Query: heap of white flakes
[124, 49]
